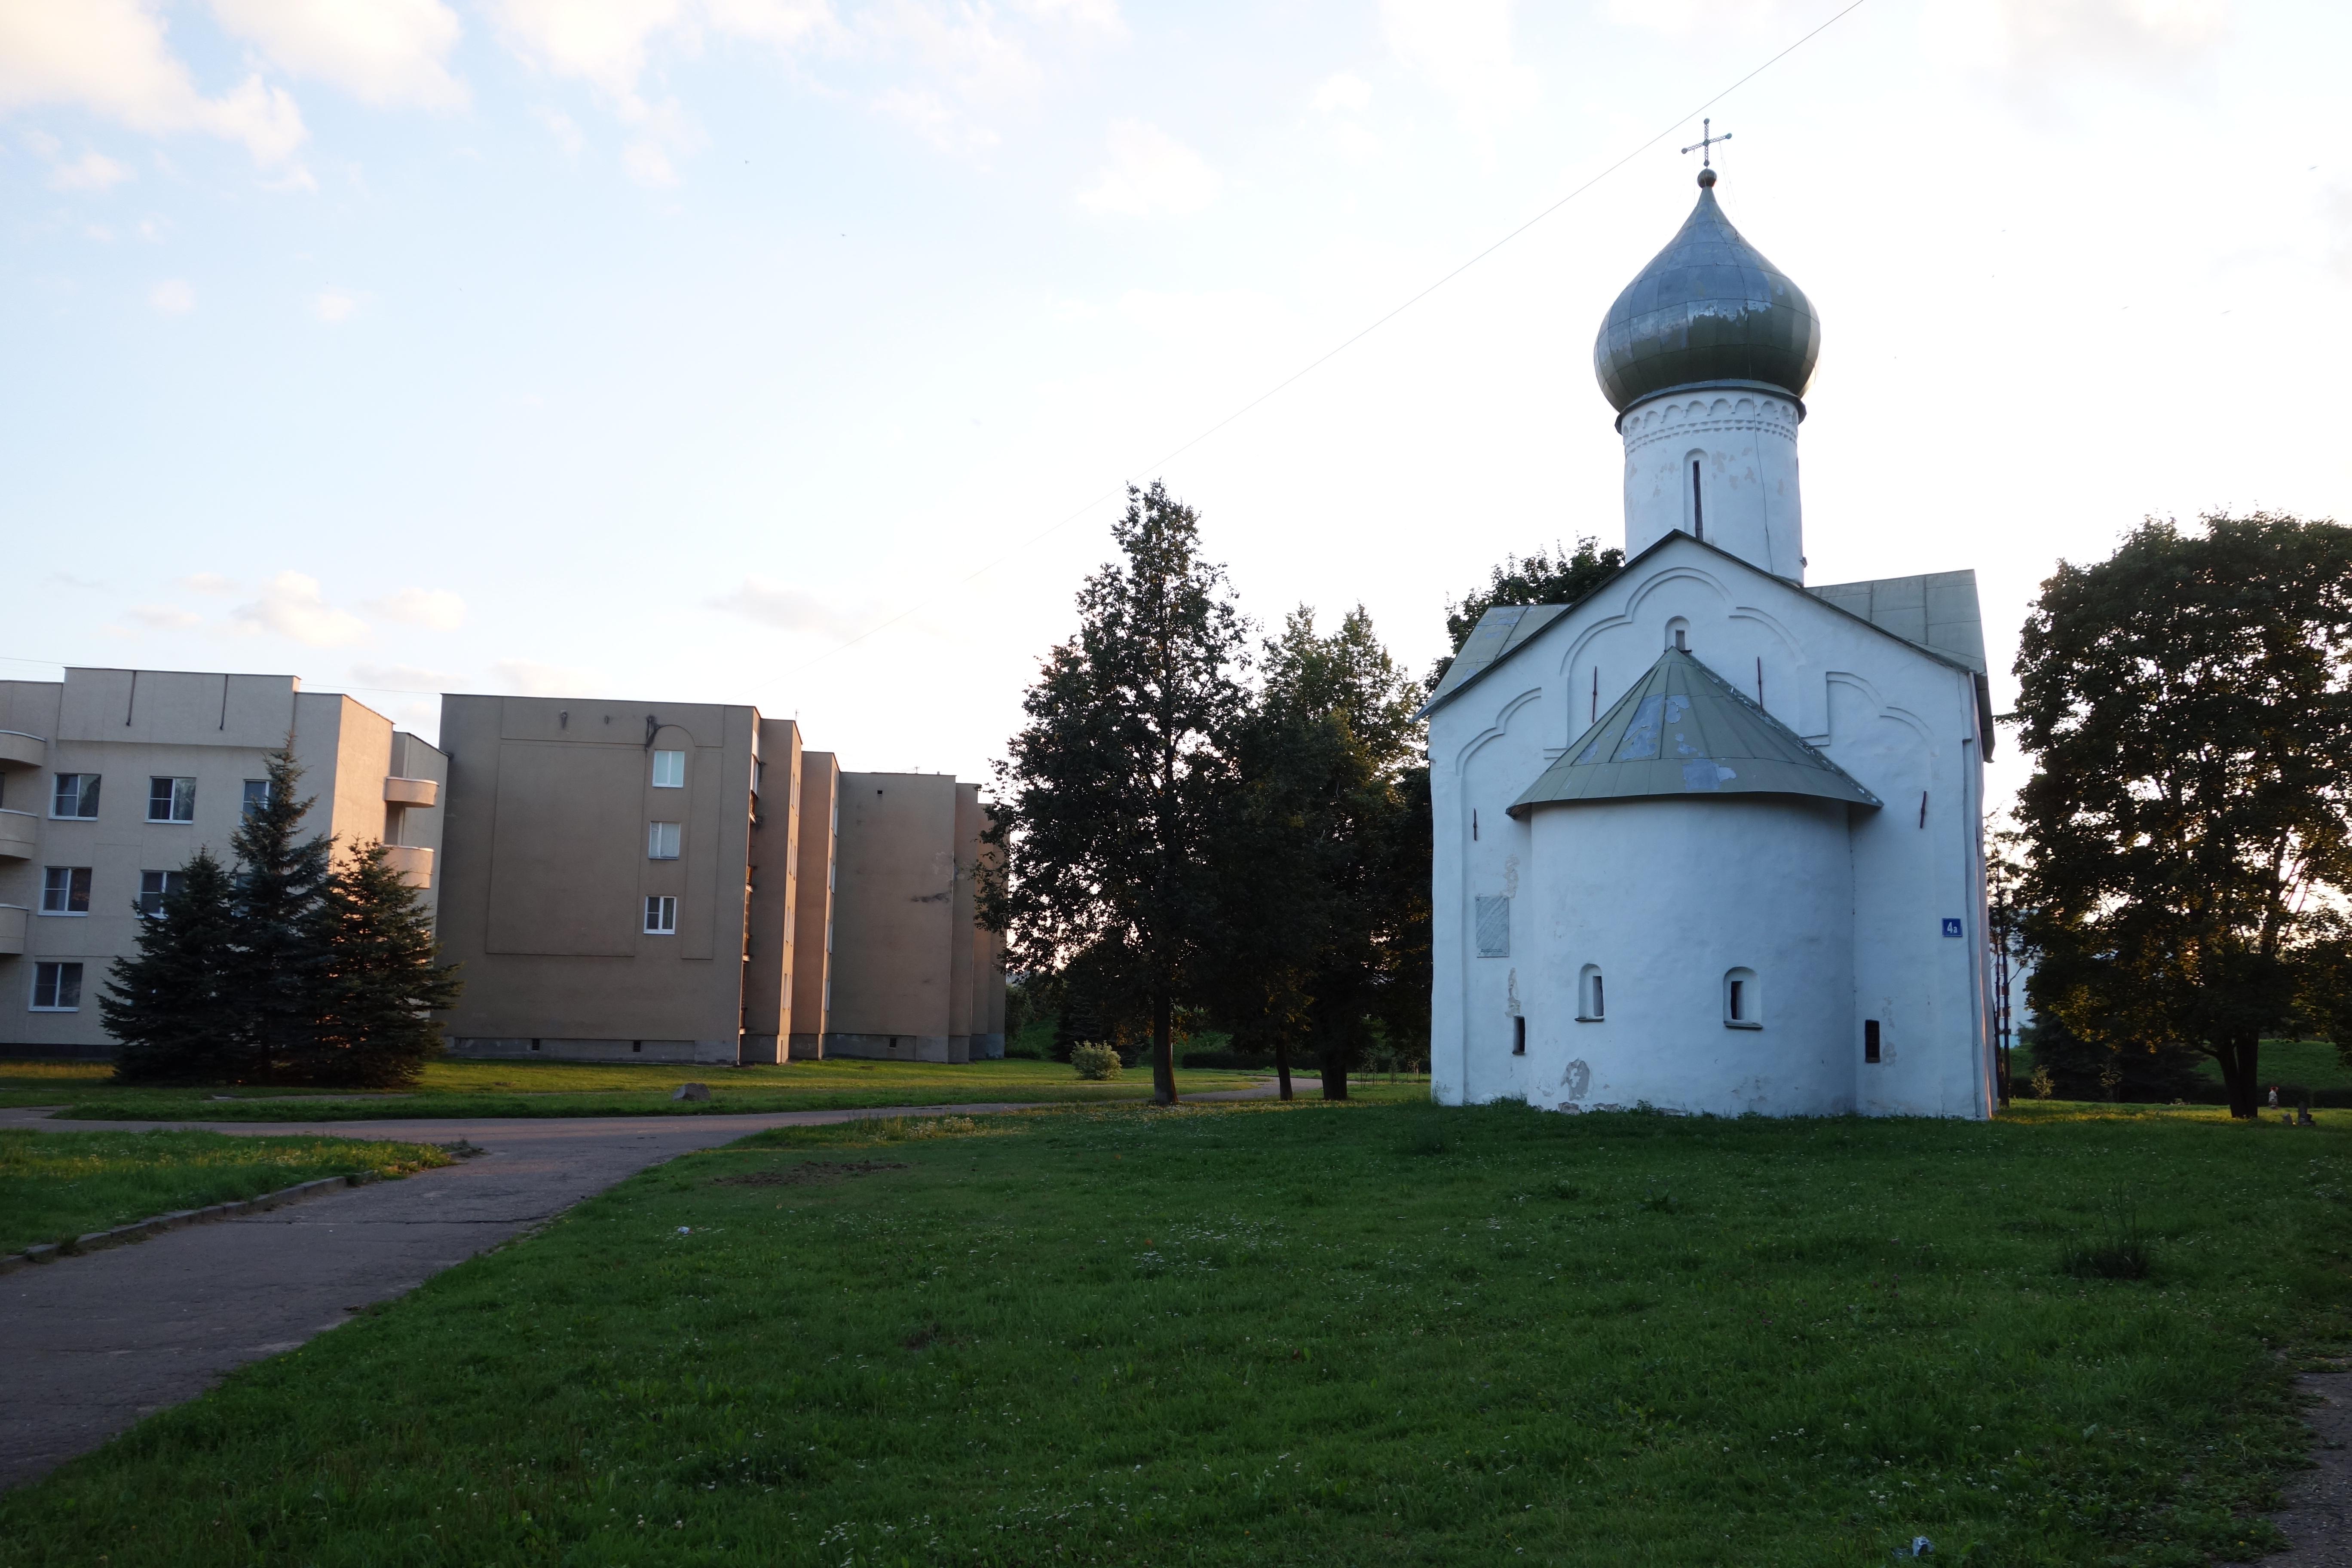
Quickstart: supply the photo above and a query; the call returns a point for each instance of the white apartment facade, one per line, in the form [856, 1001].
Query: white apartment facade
[111, 779]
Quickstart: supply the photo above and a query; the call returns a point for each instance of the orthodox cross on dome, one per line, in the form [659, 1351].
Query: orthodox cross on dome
[1705, 147]
[1706, 139]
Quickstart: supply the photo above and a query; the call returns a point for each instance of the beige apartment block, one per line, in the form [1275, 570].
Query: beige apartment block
[621, 880]
[912, 981]
[111, 780]
[820, 827]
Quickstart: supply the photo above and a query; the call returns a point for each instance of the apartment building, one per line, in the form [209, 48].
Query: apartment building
[111, 780]
[913, 976]
[621, 880]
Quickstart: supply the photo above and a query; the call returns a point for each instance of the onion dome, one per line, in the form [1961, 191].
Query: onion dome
[1708, 309]
[1683, 730]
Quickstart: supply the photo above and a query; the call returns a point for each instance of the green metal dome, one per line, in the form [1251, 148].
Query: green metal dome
[1708, 309]
[1683, 730]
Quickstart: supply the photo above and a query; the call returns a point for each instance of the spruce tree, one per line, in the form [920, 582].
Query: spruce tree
[281, 961]
[170, 1008]
[373, 1005]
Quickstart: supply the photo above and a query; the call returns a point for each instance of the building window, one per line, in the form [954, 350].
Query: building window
[171, 800]
[256, 795]
[1698, 504]
[669, 770]
[661, 841]
[1588, 999]
[1742, 1007]
[77, 796]
[661, 915]
[155, 887]
[1494, 927]
[1519, 1035]
[1870, 1040]
[65, 889]
[57, 987]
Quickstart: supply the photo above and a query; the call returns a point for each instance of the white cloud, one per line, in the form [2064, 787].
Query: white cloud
[936, 120]
[787, 609]
[438, 608]
[780, 22]
[164, 617]
[2032, 40]
[565, 130]
[1465, 48]
[528, 678]
[334, 306]
[110, 57]
[1101, 15]
[172, 297]
[1150, 172]
[380, 51]
[1343, 92]
[90, 172]
[208, 582]
[1711, 18]
[397, 678]
[647, 164]
[599, 41]
[291, 605]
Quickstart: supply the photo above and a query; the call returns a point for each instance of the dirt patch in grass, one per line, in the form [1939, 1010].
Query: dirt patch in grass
[810, 1170]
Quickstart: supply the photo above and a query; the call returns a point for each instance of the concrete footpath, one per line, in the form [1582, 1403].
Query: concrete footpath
[90, 1344]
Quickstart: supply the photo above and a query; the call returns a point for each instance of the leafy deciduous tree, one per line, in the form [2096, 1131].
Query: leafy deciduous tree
[1554, 576]
[2189, 703]
[1322, 854]
[1107, 795]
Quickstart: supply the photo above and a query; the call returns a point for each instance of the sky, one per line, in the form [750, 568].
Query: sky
[797, 352]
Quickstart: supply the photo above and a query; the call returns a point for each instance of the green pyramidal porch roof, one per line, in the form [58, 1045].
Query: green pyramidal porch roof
[1683, 730]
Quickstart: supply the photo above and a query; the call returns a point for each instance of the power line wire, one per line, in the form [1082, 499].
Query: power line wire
[1278, 388]
[1329, 355]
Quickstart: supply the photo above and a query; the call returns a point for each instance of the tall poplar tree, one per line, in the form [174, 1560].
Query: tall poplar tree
[1106, 799]
[2187, 702]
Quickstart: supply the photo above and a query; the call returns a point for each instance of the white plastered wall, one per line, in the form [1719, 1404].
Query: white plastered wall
[1898, 719]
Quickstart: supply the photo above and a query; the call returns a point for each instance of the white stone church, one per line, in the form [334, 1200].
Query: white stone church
[1710, 838]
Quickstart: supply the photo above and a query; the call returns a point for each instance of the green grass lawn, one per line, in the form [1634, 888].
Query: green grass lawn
[451, 1087]
[57, 1185]
[2301, 1063]
[1305, 1334]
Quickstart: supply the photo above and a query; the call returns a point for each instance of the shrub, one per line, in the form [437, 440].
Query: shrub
[1095, 1061]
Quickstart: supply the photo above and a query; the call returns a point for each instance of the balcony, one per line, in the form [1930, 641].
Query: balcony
[18, 749]
[410, 792]
[12, 928]
[414, 864]
[16, 829]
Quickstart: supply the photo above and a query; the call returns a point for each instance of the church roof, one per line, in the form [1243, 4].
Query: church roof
[1499, 632]
[1708, 308]
[1939, 619]
[1683, 730]
[1938, 612]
